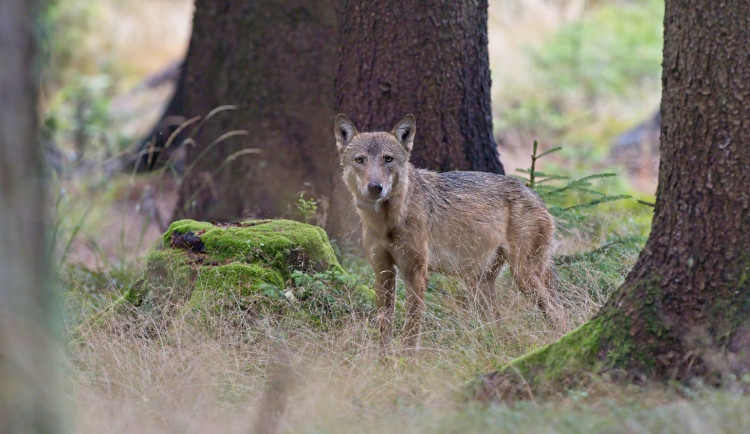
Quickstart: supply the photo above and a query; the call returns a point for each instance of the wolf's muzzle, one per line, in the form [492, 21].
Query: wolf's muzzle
[374, 188]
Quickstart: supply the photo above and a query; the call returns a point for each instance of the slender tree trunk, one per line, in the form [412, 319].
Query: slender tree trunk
[426, 57]
[684, 309]
[27, 380]
[274, 61]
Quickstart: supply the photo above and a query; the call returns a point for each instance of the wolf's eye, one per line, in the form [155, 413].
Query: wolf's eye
[359, 160]
[388, 158]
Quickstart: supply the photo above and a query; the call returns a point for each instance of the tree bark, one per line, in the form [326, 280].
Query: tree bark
[426, 57]
[274, 61]
[27, 317]
[684, 310]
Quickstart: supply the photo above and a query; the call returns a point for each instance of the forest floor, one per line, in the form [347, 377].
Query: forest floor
[146, 371]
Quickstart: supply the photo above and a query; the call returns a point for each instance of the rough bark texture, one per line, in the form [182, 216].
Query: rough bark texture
[274, 60]
[426, 57]
[27, 386]
[684, 309]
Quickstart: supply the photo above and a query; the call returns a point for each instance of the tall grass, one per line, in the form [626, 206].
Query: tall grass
[176, 370]
[160, 373]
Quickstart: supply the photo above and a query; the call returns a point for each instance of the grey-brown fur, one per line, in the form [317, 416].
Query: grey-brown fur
[467, 224]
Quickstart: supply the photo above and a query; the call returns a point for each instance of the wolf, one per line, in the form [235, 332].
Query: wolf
[466, 224]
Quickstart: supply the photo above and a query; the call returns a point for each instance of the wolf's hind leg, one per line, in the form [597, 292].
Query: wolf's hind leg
[484, 291]
[532, 267]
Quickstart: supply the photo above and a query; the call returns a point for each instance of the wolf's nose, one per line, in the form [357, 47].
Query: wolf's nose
[375, 188]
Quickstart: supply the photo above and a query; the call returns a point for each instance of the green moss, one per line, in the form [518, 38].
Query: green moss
[574, 352]
[282, 244]
[236, 285]
[613, 341]
[259, 265]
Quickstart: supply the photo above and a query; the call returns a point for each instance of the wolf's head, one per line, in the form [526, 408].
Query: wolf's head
[375, 164]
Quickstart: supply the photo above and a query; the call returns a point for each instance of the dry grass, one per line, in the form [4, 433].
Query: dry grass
[151, 372]
[138, 370]
[148, 371]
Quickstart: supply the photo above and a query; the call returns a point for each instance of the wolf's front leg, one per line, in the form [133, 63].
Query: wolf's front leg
[415, 278]
[385, 294]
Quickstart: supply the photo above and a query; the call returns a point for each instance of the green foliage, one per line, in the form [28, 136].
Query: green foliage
[605, 52]
[567, 198]
[79, 117]
[576, 205]
[602, 269]
[308, 208]
[77, 82]
[80, 78]
[589, 80]
[65, 26]
[331, 296]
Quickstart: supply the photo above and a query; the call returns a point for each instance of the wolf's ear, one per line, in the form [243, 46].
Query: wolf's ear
[344, 130]
[405, 130]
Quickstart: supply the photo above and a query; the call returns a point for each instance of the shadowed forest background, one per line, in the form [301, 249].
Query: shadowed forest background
[585, 76]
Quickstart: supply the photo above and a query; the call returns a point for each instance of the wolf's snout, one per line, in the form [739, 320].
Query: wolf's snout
[375, 188]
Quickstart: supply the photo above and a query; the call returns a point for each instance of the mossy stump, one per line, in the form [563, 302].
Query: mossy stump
[246, 265]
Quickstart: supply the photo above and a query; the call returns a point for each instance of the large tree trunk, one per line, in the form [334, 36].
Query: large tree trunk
[27, 379]
[684, 309]
[274, 60]
[428, 58]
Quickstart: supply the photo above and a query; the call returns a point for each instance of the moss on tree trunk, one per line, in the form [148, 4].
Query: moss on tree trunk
[684, 310]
